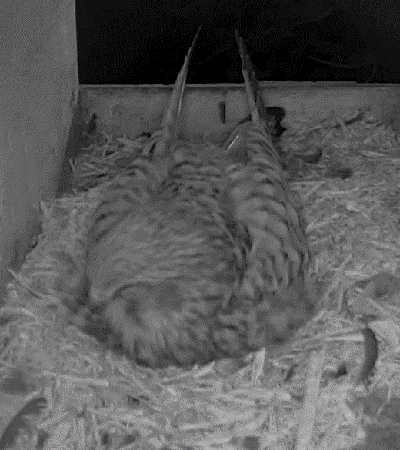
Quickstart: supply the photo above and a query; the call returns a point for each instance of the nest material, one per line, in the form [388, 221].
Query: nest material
[298, 398]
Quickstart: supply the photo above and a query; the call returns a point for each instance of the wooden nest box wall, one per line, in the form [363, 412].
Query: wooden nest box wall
[39, 90]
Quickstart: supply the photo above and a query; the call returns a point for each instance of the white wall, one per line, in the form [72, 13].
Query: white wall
[39, 85]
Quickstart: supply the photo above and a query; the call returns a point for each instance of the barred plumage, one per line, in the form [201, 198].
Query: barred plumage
[138, 182]
[160, 275]
[206, 260]
[197, 179]
[158, 279]
[158, 248]
[264, 203]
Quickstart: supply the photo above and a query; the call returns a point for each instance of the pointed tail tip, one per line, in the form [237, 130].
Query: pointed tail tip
[240, 45]
[247, 65]
[259, 113]
[250, 80]
[171, 117]
[191, 49]
[197, 35]
[237, 35]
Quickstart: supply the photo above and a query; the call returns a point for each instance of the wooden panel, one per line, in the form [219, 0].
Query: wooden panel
[134, 109]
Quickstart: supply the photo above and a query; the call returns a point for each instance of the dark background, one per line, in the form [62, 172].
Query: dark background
[145, 42]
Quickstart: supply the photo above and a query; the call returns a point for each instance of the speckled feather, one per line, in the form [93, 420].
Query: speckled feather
[264, 203]
[161, 260]
[196, 270]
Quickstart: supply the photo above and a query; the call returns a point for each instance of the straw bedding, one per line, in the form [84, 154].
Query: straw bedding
[59, 389]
